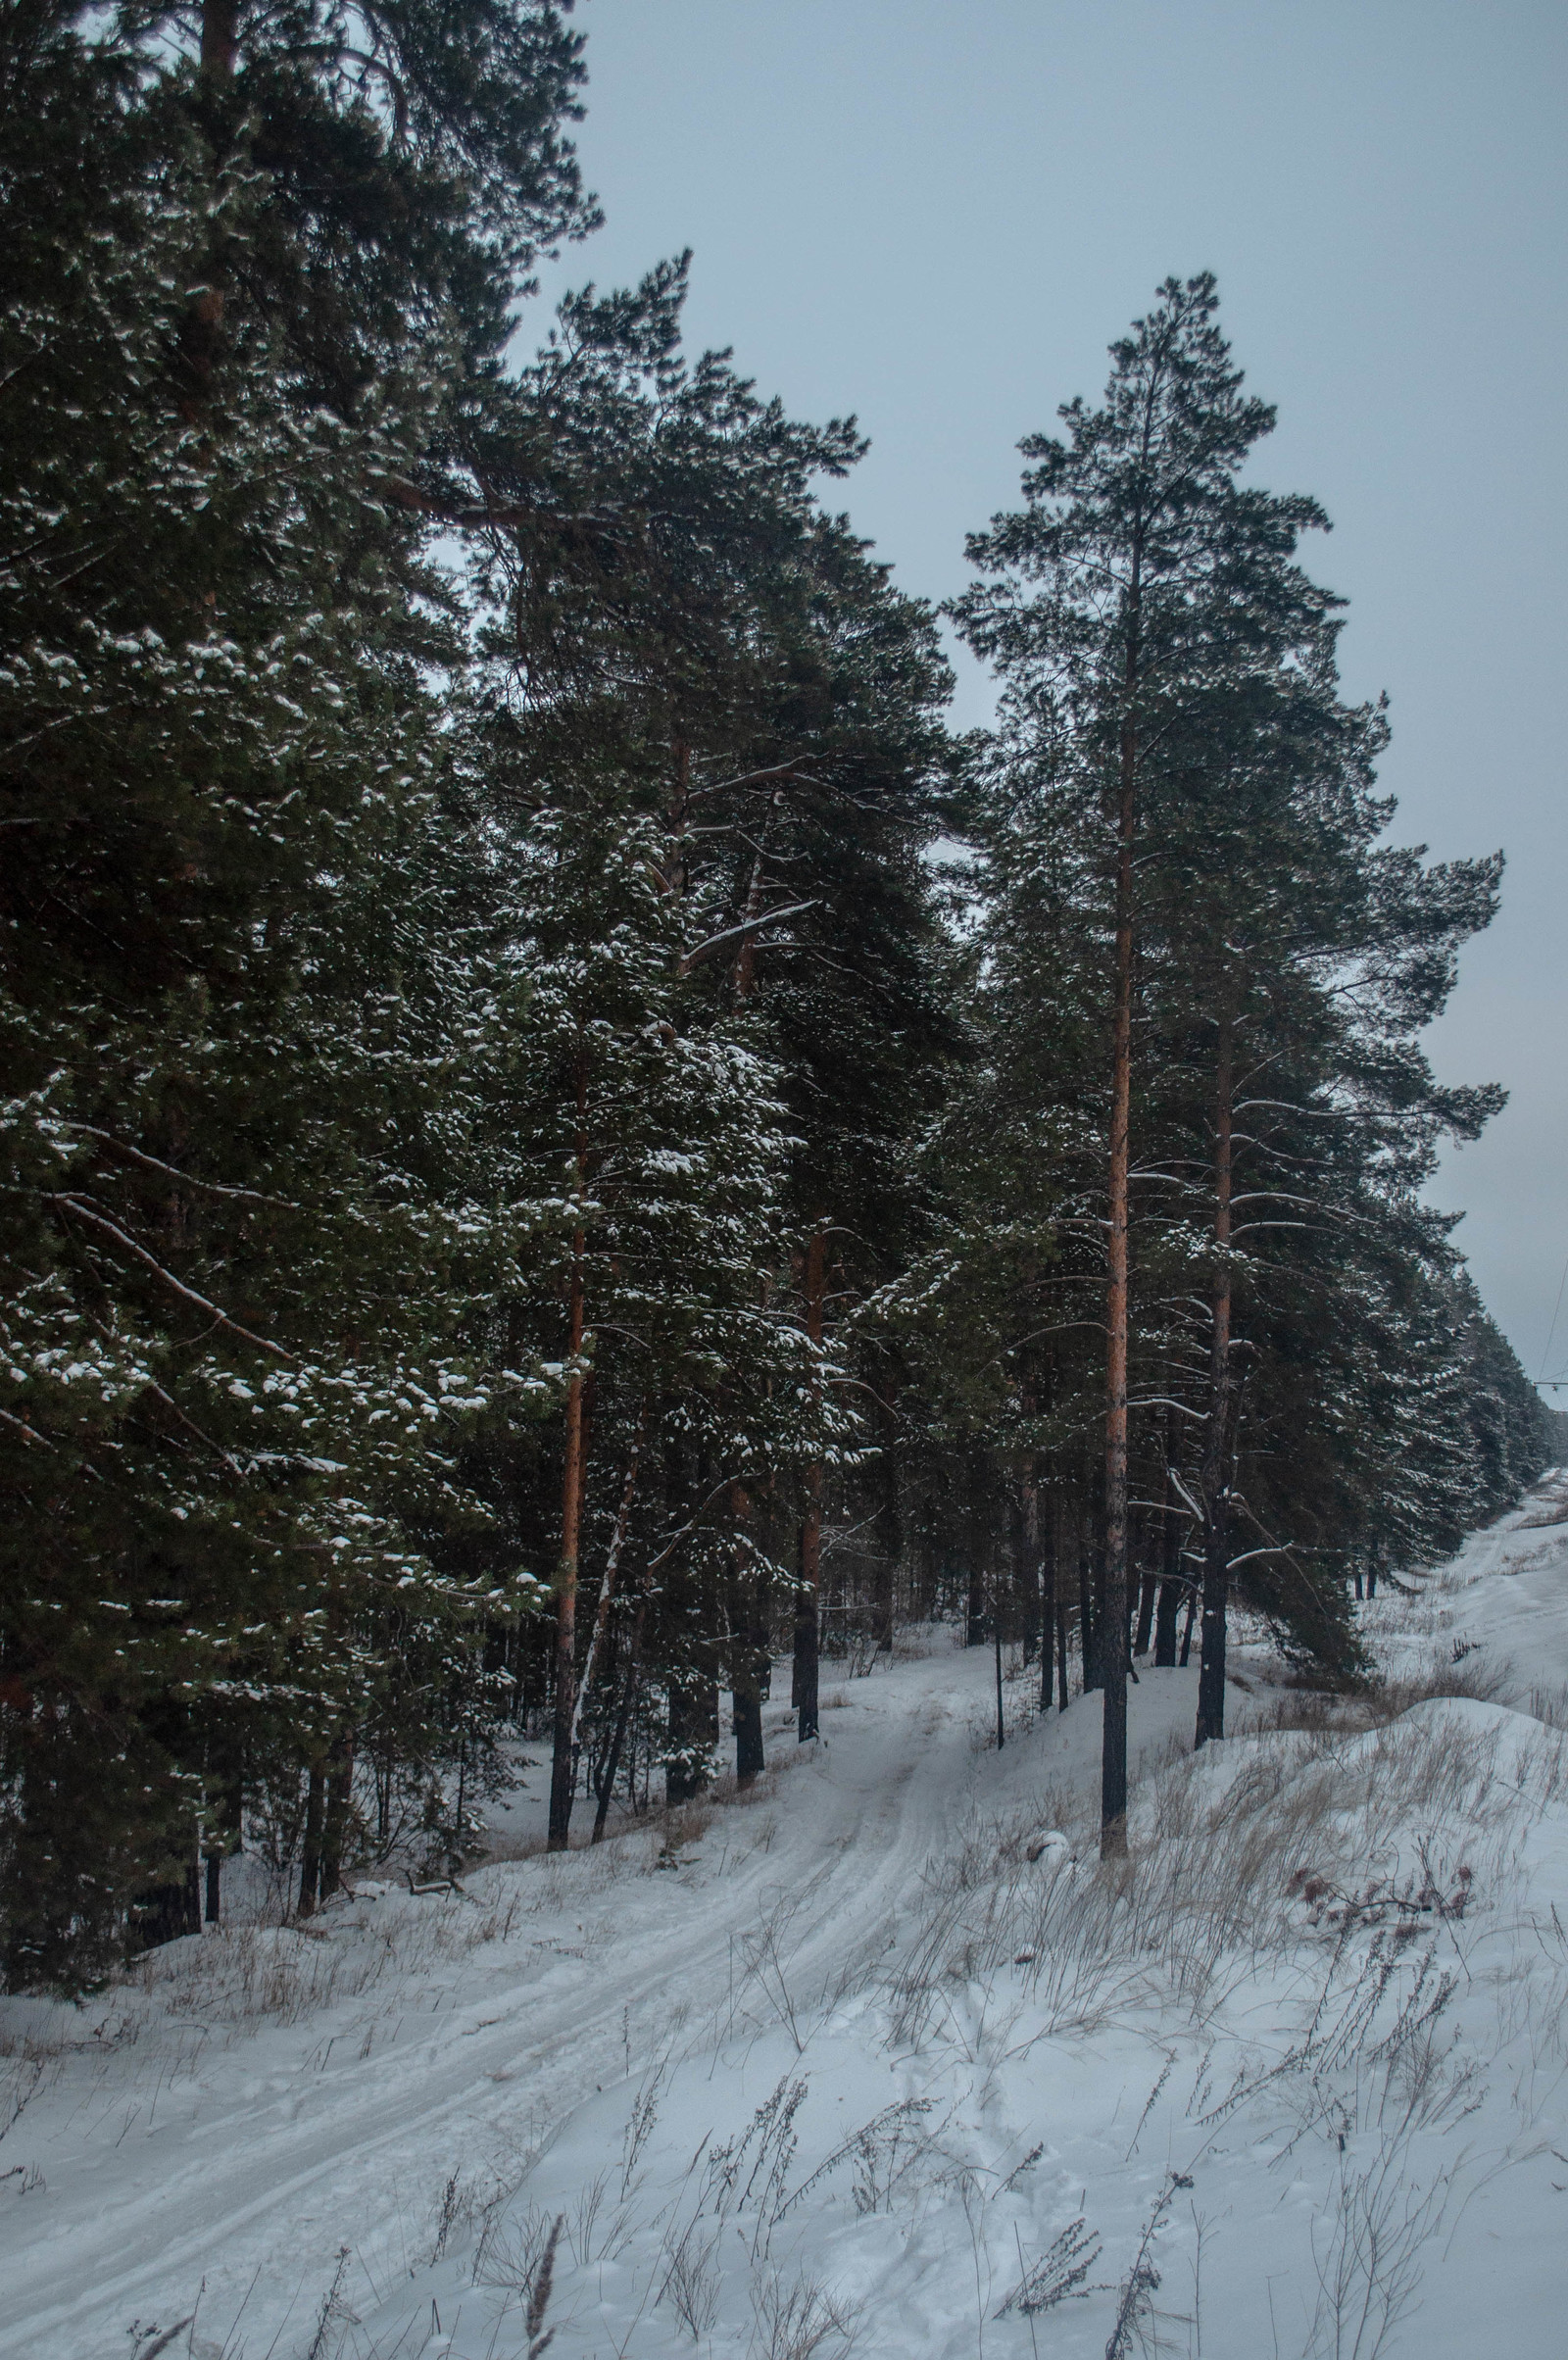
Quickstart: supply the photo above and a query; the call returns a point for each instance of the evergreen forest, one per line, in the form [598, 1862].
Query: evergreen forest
[572, 1150]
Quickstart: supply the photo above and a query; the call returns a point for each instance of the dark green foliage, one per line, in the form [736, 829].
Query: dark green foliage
[237, 975]
[1266, 899]
[469, 845]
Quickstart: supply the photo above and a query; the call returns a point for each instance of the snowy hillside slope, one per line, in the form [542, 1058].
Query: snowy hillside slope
[881, 2060]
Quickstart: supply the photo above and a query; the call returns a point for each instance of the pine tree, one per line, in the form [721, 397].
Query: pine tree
[233, 987]
[1139, 573]
[1171, 716]
[672, 610]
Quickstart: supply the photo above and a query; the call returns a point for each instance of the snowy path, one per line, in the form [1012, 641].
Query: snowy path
[271, 2151]
[1505, 1594]
[173, 2146]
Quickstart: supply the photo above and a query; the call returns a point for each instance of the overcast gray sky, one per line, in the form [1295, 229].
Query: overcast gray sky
[937, 213]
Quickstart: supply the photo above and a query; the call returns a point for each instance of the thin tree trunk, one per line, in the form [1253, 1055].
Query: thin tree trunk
[806, 1622]
[890, 1543]
[1113, 1602]
[311, 1859]
[1192, 1617]
[805, 1686]
[746, 1666]
[746, 956]
[224, 1836]
[607, 1581]
[339, 1789]
[974, 1620]
[1049, 1534]
[1062, 1697]
[1088, 1636]
[1217, 1475]
[996, 1633]
[679, 815]
[1170, 1563]
[605, 1786]
[562, 1767]
[1146, 1613]
[1027, 1567]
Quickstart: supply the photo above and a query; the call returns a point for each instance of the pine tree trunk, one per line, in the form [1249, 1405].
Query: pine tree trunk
[562, 1767]
[1062, 1697]
[679, 815]
[995, 1634]
[809, 1579]
[1048, 1531]
[974, 1618]
[224, 1836]
[310, 1858]
[607, 1582]
[1216, 1474]
[747, 1641]
[1145, 1614]
[750, 1758]
[890, 1542]
[1170, 1583]
[334, 1827]
[606, 1784]
[1026, 1569]
[1113, 1604]
[220, 38]
[1087, 1636]
[805, 1686]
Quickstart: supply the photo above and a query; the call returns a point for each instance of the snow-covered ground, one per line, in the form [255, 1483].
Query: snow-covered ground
[880, 2059]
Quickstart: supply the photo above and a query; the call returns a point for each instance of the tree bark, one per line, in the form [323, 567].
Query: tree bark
[679, 815]
[607, 1583]
[749, 1639]
[808, 1580]
[1047, 1527]
[334, 1827]
[225, 1834]
[1146, 1613]
[1113, 1602]
[1170, 1565]
[1087, 1636]
[1026, 1571]
[219, 39]
[1187, 1633]
[605, 1785]
[310, 1857]
[890, 1543]
[974, 1618]
[996, 1633]
[1216, 1473]
[562, 1767]
[1063, 1697]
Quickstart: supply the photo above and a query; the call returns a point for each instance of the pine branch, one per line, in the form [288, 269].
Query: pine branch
[112, 1229]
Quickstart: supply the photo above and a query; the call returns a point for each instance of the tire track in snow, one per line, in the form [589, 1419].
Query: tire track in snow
[251, 2195]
